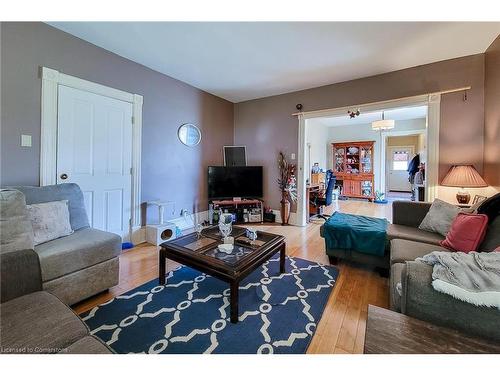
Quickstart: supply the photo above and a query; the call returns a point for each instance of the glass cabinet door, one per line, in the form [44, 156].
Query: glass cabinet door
[366, 159]
[366, 188]
[352, 160]
[339, 159]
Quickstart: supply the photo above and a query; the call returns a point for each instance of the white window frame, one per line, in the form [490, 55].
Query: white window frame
[51, 79]
[391, 161]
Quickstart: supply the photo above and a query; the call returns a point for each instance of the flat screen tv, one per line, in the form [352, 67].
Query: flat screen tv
[232, 182]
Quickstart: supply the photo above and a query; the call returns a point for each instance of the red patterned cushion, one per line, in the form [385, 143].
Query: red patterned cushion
[466, 233]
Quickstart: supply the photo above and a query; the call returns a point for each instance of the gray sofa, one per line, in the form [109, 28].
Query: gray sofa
[415, 295]
[82, 264]
[33, 320]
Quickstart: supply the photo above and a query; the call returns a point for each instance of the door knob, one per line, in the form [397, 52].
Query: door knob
[63, 176]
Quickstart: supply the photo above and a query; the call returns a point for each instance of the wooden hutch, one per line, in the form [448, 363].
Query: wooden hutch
[353, 168]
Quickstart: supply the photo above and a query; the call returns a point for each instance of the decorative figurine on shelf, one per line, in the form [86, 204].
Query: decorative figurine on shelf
[315, 168]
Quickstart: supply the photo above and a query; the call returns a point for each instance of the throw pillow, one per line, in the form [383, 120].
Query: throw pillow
[492, 238]
[490, 207]
[466, 232]
[439, 218]
[16, 232]
[50, 220]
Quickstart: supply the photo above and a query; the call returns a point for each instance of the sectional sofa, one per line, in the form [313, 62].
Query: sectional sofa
[82, 264]
[411, 291]
[33, 320]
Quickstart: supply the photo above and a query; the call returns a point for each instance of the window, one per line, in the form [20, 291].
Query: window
[400, 160]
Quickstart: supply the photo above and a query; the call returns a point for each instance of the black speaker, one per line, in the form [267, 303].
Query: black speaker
[235, 156]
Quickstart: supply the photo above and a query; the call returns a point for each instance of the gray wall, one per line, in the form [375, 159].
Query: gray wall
[492, 115]
[170, 170]
[267, 126]
[174, 172]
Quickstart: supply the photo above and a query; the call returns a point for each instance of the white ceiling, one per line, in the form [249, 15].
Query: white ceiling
[398, 114]
[242, 61]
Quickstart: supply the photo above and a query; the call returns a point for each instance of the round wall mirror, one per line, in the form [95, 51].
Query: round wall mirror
[189, 134]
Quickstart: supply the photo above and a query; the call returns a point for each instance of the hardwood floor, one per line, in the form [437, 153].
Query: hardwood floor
[342, 326]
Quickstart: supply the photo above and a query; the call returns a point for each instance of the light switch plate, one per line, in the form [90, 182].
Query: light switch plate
[25, 140]
[293, 156]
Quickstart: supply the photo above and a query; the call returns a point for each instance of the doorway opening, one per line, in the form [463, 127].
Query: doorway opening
[364, 160]
[358, 155]
[405, 161]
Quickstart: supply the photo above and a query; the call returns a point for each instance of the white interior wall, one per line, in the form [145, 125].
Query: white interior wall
[317, 138]
[422, 148]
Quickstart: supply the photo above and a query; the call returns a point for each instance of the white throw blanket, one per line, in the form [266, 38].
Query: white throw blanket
[472, 277]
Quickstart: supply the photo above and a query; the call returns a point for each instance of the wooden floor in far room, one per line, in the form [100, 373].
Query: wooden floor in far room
[342, 326]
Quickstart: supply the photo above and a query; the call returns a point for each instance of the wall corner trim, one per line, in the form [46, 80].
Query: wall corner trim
[50, 74]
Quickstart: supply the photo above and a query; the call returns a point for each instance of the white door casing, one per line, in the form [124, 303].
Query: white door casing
[51, 80]
[94, 150]
[432, 141]
[398, 177]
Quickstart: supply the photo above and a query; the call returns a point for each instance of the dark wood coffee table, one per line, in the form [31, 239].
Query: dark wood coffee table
[202, 254]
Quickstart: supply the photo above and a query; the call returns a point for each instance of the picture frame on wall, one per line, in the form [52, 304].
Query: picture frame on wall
[478, 199]
[235, 156]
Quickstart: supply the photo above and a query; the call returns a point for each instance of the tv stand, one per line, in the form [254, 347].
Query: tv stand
[254, 209]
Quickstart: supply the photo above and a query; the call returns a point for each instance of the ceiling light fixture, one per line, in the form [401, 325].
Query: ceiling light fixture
[383, 124]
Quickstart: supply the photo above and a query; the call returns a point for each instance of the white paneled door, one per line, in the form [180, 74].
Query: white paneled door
[94, 150]
[398, 160]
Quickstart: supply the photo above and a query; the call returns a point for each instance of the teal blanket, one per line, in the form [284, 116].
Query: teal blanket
[354, 232]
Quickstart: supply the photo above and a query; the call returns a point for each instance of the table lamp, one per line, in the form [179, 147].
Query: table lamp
[463, 176]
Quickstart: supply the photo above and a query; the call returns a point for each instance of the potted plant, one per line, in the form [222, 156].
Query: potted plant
[287, 184]
[379, 197]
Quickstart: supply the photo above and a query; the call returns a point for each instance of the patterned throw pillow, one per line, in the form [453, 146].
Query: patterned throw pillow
[439, 218]
[50, 220]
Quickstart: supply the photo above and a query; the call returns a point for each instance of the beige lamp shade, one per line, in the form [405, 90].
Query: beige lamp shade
[383, 125]
[464, 176]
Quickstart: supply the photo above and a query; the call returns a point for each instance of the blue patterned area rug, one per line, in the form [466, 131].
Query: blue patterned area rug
[190, 314]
